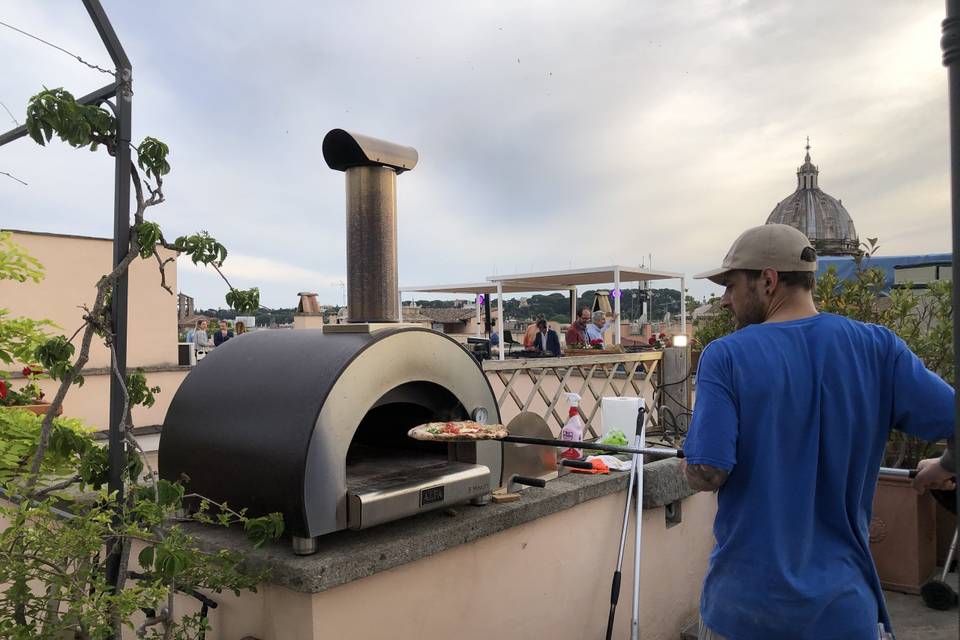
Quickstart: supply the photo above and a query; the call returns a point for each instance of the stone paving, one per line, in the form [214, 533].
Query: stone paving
[912, 620]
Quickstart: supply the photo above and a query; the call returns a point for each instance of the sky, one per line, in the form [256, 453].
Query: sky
[551, 135]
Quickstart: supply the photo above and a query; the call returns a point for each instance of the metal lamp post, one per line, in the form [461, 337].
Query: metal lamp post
[950, 44]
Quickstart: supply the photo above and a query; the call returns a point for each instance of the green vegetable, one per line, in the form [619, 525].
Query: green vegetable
[615, 437]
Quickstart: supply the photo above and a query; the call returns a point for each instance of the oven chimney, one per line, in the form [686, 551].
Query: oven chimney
[371, 166]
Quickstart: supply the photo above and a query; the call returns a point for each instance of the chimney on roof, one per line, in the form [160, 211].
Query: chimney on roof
[308, 303]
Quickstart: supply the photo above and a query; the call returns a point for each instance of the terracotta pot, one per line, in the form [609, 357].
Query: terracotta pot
[903, 535]
[39, 408]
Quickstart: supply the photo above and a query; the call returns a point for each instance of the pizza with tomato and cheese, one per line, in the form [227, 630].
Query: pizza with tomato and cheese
[463, 430]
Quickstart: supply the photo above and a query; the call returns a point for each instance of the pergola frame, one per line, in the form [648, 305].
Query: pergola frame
[565, 280]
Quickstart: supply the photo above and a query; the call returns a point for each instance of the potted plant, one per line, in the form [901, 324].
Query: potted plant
[29, 397]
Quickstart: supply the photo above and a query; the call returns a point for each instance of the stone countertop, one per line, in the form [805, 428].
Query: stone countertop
[345, 556]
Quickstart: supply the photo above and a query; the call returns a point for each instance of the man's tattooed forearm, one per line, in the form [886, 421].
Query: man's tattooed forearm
[703, 477]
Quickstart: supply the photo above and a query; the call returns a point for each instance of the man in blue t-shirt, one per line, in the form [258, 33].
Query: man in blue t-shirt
[791, 419]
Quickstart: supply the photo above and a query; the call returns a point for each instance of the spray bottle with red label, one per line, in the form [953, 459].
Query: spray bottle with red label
[573, 429]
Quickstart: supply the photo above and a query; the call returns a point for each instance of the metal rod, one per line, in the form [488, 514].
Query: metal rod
[486, 314]
[637, 528]
[109, 37]
[950, 45]
[121, 246]
[479, 319]
[683, 305]
[898, 473]
[615, 586]
[501, 355]
[950, 553]
[616, 303]
[663, 452]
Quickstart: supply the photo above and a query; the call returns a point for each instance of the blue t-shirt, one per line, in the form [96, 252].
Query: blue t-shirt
[798, 412]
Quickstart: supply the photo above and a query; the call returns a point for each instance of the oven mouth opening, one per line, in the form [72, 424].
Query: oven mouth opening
[380, 452]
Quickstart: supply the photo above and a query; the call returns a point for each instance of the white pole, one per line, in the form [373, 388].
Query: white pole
[616, 303]
[683, 305]
[635, 618]
[500, 317]
[479, 321]
[400, 306]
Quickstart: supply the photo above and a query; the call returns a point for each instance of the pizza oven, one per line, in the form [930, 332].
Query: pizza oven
[312, 423]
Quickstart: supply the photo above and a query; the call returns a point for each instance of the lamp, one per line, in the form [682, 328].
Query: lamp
[679, 340]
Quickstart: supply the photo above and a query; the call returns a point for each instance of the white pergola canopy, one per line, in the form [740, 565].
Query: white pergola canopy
[565, 280]
[572, 278]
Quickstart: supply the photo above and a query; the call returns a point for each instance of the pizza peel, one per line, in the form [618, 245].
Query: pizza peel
[661, 452]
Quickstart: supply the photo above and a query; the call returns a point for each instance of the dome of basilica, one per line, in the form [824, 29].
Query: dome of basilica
[820, 216]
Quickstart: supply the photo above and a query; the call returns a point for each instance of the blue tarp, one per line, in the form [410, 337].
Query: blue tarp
[846, 267]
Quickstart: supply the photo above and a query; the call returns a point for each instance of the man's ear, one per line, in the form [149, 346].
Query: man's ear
[769, 278]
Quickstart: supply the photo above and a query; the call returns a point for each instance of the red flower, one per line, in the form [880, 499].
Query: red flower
[26, 371]
[597, 341]
[3, 389]
[652, 341]
[663, 335]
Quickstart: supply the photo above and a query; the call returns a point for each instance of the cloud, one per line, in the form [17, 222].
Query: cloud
[550, 135]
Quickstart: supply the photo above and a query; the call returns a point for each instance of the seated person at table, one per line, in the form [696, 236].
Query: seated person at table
[598, 327]
[577, 332]
[531, 333]
[546, 340]
[494, 336]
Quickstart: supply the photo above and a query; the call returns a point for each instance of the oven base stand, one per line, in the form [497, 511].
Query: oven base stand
[304, 546]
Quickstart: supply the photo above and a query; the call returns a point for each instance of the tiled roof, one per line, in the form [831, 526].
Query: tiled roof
[414, 315]
[449, 315]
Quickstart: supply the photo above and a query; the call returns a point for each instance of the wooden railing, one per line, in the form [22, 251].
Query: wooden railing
[538, 385]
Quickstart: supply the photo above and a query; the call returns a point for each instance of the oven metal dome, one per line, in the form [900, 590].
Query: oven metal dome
[817, 214]
[265, 421]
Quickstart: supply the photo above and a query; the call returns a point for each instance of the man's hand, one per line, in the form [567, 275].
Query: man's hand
[703, 477]
[932, 475]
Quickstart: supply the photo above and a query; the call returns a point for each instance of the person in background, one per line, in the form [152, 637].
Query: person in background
[599, 326]
[577, 332]
[201, 340]
[531, 332]
[494, 336]
[222, 335]
[790, 425]
[240, 327]
[546, 340]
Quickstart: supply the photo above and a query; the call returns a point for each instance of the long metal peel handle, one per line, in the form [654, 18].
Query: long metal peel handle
[898, 473]
[662, 452]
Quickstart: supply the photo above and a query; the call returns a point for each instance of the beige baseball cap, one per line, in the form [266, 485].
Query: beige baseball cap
[769, 246]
